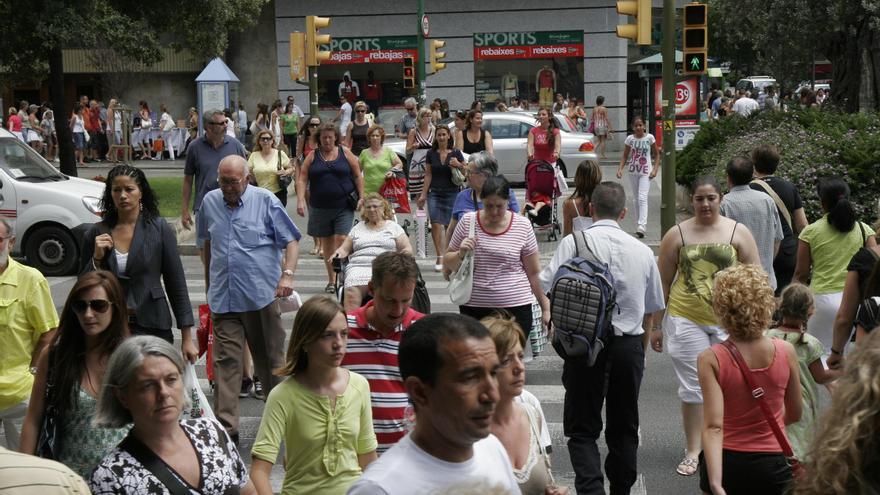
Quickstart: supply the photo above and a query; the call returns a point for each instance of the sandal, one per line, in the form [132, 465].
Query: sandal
[688, 466]
[330, 289]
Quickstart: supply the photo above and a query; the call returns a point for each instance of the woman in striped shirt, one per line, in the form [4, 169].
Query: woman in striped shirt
[506, 259]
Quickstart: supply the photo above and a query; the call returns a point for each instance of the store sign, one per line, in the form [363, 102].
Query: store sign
[686, 97]
[528, 44]
[371, 50]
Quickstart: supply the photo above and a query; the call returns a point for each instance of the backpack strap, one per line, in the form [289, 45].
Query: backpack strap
[776, 199]
[582, 248]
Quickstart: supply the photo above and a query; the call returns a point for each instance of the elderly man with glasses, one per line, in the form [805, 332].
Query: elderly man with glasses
[408, 121]
[28, 321]
[250, 250]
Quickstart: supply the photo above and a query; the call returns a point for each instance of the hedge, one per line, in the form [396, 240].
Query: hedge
[812, 143]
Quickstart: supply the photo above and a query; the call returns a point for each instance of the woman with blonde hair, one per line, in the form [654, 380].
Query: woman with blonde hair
[743, 453]
[519, 423]
[377, 161]
[376, 234]
[321, 411]
[267, 164]
[844, 459]
[418, 143]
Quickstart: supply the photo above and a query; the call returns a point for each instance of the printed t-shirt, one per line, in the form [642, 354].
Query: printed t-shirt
[639, 160]
[691, 293]
[543, 150]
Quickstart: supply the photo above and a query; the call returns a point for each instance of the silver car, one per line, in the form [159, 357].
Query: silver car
[510, 132]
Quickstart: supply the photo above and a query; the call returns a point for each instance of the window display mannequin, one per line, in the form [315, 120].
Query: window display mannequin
[545, 81]
[348, 88]
[509, 83]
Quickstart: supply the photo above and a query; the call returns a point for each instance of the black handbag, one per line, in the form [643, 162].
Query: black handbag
[283, 180]
[47, 442]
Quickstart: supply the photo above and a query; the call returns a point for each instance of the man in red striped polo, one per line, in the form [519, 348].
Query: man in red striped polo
[374, 335]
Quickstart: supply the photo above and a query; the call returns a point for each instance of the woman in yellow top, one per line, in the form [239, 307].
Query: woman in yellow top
[825, 248]
[691, 255]
[267, 164]
[321, 412]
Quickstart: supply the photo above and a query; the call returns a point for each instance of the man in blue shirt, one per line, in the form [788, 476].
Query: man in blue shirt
[244, 231]
[622, 362]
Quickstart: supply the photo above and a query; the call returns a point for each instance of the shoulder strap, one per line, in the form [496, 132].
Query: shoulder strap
[758, 394]
[583, 248]
[864, 234]
[472, 228]
[153, 464]
[776, 199]
[278, 152]
[733, 232]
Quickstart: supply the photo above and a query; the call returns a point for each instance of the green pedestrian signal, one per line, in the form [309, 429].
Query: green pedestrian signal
[694, 63]
[695, 38]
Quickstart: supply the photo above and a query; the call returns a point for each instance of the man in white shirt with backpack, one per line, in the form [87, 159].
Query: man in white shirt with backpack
[639, 294]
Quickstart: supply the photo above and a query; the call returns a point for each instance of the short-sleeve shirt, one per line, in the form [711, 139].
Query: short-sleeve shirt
[266, 171]
[759, 213]
[289, 123]
[26, 313]
[863, 263]
[500, 279]
[246, 247]
[374, 356]
[202, 160]
[464, 203]
[406, 123]
[791, 198]
[366, 245]
[639, 160]
[441, 172]
[543, 150]
[322, 443]
[221, 468]
[831, 252]
[868, 314]
[24, 473]
[375, 168]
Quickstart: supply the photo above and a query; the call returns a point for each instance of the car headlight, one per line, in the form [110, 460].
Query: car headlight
[93, 204]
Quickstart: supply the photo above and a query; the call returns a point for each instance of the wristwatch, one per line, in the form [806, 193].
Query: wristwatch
[288, 272]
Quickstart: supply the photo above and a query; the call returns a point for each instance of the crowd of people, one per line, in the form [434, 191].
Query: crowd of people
[373, 396]
[744, 102]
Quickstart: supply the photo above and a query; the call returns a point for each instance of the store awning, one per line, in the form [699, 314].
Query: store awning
[657, 59]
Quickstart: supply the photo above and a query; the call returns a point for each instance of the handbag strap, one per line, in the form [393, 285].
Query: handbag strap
[151, 461]
[278, 152]
[776, 199]
[758, 394]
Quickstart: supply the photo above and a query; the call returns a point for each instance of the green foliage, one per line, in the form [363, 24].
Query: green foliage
[812, 144]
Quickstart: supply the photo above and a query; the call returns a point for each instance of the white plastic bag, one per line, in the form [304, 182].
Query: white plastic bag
[200, 407]
[290, 303]
[462, 281]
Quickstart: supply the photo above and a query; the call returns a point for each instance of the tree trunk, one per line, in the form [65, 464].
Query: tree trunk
[62, 112]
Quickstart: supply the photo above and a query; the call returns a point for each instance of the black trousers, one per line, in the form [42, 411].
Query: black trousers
[522, 314]
[615, 379]
[783, 268]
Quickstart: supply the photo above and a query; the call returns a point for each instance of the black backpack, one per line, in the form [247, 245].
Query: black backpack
[581, 303]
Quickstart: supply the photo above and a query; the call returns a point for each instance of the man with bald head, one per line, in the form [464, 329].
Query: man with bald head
[245, 231]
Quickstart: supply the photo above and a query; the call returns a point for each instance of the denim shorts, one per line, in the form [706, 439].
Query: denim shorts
[440, 205]
[327, 222]
[79, 140]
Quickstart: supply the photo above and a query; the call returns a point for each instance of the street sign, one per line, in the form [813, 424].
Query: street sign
[298, 70]
[426, 28]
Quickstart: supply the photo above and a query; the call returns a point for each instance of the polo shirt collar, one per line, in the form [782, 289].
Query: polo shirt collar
[11, 273]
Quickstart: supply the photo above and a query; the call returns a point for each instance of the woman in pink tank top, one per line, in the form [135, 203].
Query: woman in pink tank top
[741, 454]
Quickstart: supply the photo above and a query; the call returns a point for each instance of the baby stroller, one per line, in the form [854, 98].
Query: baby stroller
[541, 186]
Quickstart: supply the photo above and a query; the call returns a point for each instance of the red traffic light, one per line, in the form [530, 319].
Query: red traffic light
[407, 72]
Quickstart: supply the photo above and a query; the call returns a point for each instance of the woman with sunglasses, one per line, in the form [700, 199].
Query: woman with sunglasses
[267, 164]
[306, 142]
[70, 372]
[356, 134]
[138, 246]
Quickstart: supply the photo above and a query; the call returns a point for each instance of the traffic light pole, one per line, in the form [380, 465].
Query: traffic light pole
[420, 64]
[313, 91]
[667, 198]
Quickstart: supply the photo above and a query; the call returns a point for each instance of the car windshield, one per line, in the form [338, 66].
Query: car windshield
[20, 162]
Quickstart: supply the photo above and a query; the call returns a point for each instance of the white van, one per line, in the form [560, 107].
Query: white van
[755, 84]
[50, 211]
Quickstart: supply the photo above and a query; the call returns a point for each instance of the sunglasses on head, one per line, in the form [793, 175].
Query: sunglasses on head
[80, 306]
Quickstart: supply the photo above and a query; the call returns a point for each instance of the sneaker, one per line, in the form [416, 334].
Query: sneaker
[258, 389]
[640, 233]
[246, 386]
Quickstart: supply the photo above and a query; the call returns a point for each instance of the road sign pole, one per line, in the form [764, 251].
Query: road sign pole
[420, 60]
[313, 91]
[667, 197]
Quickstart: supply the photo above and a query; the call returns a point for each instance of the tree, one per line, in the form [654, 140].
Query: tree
[784, 37]
[135, 30]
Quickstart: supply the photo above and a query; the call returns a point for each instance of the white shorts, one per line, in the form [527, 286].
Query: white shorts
[821, 324]
[685, 340]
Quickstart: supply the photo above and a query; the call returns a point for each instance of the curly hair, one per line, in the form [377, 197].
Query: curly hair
[387, 212]
[843, 459]
[150, 207]
[743, 301]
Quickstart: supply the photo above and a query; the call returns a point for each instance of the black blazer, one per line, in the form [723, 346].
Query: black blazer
[153, 254]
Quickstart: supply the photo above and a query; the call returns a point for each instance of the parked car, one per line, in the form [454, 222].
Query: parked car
[510, 132]
[50, 211]
[755, 84]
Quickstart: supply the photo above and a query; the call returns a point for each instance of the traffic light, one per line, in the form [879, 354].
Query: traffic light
[409, 72]
[314, 54]
[298, 70]
[695, 38]
[436, 55]
[640, 32]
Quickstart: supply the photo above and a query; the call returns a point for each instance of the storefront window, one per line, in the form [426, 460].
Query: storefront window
[531, 65]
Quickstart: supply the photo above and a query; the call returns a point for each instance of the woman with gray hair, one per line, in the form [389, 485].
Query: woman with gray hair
[480, 167]
[143, 385]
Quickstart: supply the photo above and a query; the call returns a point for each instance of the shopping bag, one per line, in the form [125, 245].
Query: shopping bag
[290, 303]
[158, 145]
[205, 336]
[394, 191]
[200, 407]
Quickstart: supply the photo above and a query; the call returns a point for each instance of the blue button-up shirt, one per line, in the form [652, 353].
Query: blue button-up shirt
[246, 247]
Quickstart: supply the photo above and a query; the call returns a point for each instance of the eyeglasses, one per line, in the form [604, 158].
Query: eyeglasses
[265, 139]
[314, 124]
[5, 237]
[80, 306]
[408, 109]
[230, 182]
[217, 123]
[360, 111]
